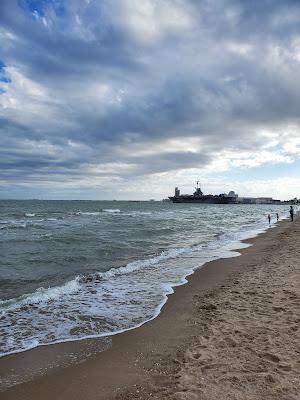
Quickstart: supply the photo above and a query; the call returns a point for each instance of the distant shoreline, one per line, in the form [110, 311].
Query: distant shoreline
[282, 202]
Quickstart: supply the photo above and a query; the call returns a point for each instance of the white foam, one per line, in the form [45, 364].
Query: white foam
[140, 264]
[138, 213]
[29, 215]
[88, 213]
[41, 295]
[15, 225]
[111, 210]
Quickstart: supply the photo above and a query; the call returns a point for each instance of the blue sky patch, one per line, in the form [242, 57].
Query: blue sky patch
[5, 79]
[40, 6]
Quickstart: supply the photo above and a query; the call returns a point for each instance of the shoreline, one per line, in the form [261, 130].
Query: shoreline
[135, 352]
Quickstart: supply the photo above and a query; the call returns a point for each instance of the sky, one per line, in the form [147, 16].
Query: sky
[126, 99]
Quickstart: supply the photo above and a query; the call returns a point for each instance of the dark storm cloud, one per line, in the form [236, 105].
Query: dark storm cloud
[84, 82]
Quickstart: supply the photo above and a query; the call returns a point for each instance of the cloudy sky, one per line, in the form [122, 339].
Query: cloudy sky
[125, 99]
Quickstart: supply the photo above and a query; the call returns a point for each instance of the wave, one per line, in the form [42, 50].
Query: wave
[141, 264]
[138, 213]
[41, 295]
[45, 294]
[29, 215]
[14, 225]
[88, 213]
[46, 235]
[115, 211]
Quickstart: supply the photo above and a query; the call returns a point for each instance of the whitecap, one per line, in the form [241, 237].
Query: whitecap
[89, 213]
[15, 225]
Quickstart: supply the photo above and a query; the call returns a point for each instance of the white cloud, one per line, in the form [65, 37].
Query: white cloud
[242, 49]
[21, 91]
[150, 20]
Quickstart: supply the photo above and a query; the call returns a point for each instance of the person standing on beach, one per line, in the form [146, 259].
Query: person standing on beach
[292, 213]
[277, 216]
[269, 218]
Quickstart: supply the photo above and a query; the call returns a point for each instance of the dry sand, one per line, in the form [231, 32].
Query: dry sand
[231, 333]
[248, 345]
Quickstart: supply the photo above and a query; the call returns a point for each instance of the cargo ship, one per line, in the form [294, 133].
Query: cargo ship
[199, 197]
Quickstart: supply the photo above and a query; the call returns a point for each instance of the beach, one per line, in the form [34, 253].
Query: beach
[148, 184]
[232, 332]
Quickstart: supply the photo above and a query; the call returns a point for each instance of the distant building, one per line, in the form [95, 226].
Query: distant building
[292, 201]
[247, 200]
[258, 200]
[264, 200]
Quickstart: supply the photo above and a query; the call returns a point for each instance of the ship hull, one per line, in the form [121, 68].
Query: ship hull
[203, 199]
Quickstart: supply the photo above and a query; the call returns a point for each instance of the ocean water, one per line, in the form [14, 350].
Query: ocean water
[76, 269]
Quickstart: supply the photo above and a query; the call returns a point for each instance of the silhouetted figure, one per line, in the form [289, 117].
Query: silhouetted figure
[292, 213]
[277, 216]
[269, 218]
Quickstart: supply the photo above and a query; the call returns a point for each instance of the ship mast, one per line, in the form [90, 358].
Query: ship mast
[198, 190]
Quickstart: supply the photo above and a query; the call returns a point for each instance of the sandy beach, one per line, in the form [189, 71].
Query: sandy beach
[232, 332]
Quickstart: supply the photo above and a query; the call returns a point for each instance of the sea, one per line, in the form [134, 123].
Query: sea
[71, 270]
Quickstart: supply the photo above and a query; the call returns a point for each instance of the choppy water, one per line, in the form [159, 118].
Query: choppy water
[75, 269]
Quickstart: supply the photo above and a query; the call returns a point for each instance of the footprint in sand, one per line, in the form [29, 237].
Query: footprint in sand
[271, 357]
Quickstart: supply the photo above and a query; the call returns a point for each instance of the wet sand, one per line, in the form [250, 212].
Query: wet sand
[232, 332]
